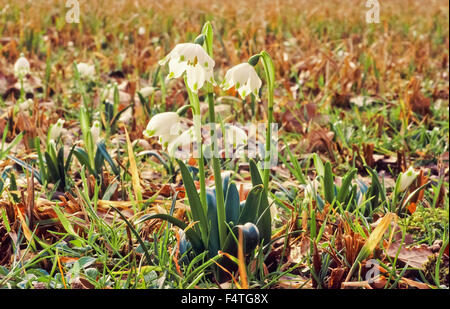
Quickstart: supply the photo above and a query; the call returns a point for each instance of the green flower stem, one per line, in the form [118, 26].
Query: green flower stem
[221, 217]
[270, 78]
[22, 90]
[195, 103]
[220, 199]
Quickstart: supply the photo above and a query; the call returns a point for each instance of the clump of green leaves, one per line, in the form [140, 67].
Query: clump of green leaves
[93, 155]
[426, 223]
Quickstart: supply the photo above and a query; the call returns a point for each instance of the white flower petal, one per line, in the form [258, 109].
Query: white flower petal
[56, 130]
[166, 139]
[183, 140]
[245, 90]
[161, 124]
[195, 77]
[95, 131]
[407, 178]
[176, 68]
[235, 136]
[146, 91]
[228, 82]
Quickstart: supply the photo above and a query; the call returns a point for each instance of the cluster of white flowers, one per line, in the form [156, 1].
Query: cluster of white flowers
[192, 59]
[86, 71]
[198, 65]
[56, 130]
[21, 67]
[167, 127]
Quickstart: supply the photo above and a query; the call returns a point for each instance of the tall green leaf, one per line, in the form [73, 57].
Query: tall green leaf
[198, 213]
[264, 223]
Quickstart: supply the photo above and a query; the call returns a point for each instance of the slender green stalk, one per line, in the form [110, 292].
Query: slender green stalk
[22, 90]
[268, 142]
[195, 103]
[217, 176]
[220, 200]
[270, 78]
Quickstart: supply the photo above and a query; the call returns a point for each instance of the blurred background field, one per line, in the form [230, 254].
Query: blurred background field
[330, 39]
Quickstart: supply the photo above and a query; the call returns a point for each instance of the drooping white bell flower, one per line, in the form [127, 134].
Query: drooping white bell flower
[25, 105]
[274, 213]
[407, 178]
[146, 91]
[311, 190]
[192, 59]
[183, 141]
[141, 30]
[56, 129]
[235, 136]
[95, 131]
[244, 78]
[86, 71]
[21, 67]
[164, 125]
[108, 93]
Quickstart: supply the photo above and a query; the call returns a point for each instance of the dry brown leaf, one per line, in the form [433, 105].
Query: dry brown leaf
[414, 257]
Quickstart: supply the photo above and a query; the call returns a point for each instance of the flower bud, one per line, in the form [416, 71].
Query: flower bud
[183, 109]
[95, 131]
[147, 91]
[407, 178]
[254, 59]
[200, 39]
[55, 131]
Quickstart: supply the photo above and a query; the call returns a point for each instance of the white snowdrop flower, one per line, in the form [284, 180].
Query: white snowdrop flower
[24, 106]
[184, 141]
[108, 93]
[146, 91]
[126, 116]
[311, 189]
[235, 136]
[164, 125]
[86, 71]
[56, 129]
[244, 78]
[141, 31]
[192, 59]
[21, 67]
[407, 178]
[304, 75]
[95, 131]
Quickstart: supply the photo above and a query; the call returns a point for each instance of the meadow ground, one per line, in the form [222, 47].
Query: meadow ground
[358, 197]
